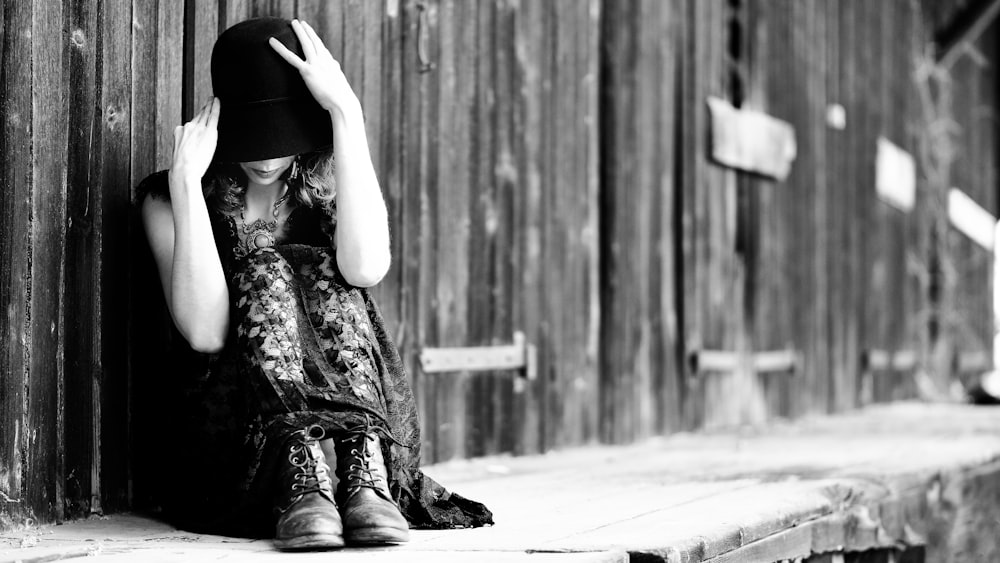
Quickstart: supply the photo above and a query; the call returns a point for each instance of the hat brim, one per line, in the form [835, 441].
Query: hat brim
[273, 129]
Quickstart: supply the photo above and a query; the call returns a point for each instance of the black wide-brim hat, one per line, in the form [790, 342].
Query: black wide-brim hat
[267, 110]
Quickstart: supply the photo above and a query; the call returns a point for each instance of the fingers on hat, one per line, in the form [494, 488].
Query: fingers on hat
[313, 36]
[213, 116]
[290, 57]
[202, 115]
[308, 48]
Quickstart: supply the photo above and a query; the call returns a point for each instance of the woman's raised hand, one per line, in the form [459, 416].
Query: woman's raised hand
[194, 142]
[320, 71]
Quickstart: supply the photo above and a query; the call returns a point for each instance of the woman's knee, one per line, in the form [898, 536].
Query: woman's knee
[264, 269]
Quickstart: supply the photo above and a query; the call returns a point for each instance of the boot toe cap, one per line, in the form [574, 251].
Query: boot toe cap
[310, 524]
[374, 520]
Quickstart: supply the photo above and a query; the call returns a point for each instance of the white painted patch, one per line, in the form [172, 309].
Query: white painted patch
[836, 117]
[971, 219]
[895, 175]
[750, 140]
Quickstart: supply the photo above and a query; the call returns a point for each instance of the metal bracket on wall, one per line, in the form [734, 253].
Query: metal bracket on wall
[972, 362]
[520, 356]
[874, 360]
[720, 361]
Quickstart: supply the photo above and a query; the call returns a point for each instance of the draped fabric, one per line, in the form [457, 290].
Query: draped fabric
[305, 347]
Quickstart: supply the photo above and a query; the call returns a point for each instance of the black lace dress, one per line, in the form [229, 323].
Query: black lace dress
[305, 347]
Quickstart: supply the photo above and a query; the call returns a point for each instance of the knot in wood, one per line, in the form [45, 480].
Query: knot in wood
[78, 39]
[112, 116]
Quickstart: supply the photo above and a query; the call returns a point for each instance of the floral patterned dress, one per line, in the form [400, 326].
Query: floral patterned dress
[306, 347]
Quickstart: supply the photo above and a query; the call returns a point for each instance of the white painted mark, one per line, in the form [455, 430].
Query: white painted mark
[895, 175]
[836, 117]
[971, 219]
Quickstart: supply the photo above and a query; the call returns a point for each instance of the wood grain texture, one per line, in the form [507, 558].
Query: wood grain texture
[169, 56]
[45, 477]
[638, 370]
[16, 178]
[82, 238]
[115, 203]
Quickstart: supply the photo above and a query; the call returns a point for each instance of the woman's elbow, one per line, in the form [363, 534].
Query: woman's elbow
[205, 341]
[207, 345]
[365, 273]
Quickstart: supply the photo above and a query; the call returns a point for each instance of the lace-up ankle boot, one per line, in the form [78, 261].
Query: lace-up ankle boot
[370, 515]
[308, 516]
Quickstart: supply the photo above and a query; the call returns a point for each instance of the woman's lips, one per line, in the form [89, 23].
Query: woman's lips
[265, 173]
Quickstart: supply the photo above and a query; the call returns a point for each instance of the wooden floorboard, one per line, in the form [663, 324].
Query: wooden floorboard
[882, 478]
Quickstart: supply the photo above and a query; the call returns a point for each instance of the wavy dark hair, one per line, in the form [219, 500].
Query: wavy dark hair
[225, 183]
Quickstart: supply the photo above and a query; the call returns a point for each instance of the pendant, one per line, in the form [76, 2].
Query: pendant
[259, 234]
[259, 238]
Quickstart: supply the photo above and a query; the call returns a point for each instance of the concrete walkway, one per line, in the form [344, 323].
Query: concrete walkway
[898, 478]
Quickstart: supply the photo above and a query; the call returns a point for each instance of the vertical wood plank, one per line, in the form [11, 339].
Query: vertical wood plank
[484, 223]
[116, 187]
[446, 394]
[529, 48]
[15, 180]
[389, 292]
[637, 343]
[201, 27]
[353, 56]
[504, 179]
[169, 78]
[371, 88]
[410, 185]
[83, 202]
[233, 12]
[420, 54]
[45, 477]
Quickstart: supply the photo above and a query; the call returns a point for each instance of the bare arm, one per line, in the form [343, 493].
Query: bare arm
[362, 220]
[181, 239]
[362, 236]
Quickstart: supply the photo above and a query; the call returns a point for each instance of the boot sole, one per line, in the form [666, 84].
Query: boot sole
[377, 536]
[313, 542]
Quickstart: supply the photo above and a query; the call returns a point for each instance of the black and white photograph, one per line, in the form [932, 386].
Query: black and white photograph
[500, 281]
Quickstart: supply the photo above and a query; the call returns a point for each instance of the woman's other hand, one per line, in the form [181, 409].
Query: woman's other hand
[320, 71]
[194, 142]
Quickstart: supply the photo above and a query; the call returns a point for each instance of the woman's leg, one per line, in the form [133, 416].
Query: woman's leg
[268, 333]
[269, 339]
[341, 331]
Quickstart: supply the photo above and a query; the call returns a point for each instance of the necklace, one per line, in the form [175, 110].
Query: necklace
[260, 233]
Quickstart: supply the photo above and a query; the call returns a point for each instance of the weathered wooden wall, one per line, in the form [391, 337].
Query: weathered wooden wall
[67, 120]
[641, 391]
[967, 267]
[545, 166]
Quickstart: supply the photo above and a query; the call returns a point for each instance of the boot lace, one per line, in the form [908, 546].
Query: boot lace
[311, 475]
[363, 474]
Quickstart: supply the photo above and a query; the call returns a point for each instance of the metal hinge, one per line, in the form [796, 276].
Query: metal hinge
[778, 361]
[520, 356]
